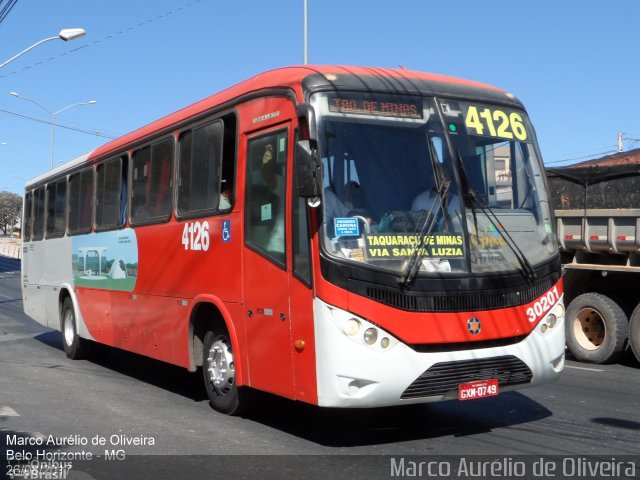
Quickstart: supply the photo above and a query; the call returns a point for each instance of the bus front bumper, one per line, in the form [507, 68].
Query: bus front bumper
[352, 373]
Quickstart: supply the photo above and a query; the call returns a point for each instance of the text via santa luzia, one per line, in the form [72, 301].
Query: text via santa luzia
[398, 246]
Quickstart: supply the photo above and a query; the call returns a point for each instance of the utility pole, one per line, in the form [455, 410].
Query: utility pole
[620, 141]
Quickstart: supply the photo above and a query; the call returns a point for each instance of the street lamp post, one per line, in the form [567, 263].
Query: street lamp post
[65, 34]
[306, 30]
[53, 116]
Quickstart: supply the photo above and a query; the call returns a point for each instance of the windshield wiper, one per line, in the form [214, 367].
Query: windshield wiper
[527, 269]
[424, 228]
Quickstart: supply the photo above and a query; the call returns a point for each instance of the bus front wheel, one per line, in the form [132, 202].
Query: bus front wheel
[218, 367]
[74, 347]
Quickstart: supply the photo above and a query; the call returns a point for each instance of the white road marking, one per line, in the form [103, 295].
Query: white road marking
[584, 368]
[8, 412]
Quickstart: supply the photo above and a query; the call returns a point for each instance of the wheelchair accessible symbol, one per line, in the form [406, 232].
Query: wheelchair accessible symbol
[226, 231]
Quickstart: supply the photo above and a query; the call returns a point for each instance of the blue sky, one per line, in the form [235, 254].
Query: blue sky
[573, 63]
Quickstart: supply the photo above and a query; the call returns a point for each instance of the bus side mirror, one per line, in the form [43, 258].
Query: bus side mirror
[307, 121]
[308, 171]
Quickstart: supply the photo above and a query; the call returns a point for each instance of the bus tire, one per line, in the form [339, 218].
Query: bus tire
[634, 332]
[596, 328]
[75, 347]
[218, 368]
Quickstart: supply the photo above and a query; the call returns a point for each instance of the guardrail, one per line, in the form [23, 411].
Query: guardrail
[11, 250]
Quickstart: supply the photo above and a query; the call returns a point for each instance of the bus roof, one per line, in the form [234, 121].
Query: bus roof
[301, 80]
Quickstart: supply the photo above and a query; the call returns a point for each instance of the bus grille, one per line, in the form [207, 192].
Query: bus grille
[445, 377]
[459, 302]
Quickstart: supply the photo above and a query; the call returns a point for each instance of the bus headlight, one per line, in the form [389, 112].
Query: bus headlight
[550, 322]
[360, 331]
[370, 336]
[558, 310]
[352, 327]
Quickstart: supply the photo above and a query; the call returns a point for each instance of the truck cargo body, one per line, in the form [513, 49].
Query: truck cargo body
[597, 209]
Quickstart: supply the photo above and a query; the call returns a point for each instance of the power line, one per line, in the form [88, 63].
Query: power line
[108, 37]
[95, 132]
[7, 8]
[583, 153]
[633, 142]
[584, 157]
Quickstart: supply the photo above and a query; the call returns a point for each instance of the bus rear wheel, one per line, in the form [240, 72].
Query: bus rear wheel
[75, 347]
[634, 332]
[218, 367]
[596, 328]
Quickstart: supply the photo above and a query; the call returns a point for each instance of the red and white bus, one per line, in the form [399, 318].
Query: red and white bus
[341, 236]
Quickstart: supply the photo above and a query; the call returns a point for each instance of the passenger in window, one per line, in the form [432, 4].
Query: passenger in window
[276, 185]
[269, 171]
[334, 208]
[447, 210]
[424, 200]
[225, 199]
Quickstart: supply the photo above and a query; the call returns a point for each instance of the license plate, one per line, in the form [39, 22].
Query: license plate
[479, 389]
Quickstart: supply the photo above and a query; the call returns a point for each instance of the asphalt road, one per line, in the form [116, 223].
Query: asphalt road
[591, 410]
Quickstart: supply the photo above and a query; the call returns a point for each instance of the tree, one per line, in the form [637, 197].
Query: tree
[10, 211]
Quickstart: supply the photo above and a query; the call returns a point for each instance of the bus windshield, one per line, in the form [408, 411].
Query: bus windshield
[395, 193]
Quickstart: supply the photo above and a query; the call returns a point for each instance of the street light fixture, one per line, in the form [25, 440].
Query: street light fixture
[53, 116]
[65, 34]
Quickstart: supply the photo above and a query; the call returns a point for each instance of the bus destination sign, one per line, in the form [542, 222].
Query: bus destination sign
[377, 107]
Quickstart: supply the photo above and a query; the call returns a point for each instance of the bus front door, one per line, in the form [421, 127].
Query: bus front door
[266, 280]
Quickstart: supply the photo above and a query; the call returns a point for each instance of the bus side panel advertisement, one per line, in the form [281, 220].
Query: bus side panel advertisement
[107, 260]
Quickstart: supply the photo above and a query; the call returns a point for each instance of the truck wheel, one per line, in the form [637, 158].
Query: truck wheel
[634, 332]
[218, 367]
[75, 347]
[596, 328]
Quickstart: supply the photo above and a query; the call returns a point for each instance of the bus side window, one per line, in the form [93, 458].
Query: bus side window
[80, 201]
[228, 170]
[61, 207]
[206, 169]
[56, 203]
[26, 217]
[51, 209]
[199, 169]
[108, 197]
[161, 175]
[141, 164]
[38, 213]
[151, 183]
[123, 190]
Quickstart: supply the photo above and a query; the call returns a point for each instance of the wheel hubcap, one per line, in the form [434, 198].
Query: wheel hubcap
[220, 366]
[589, 329]
[69, 332]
